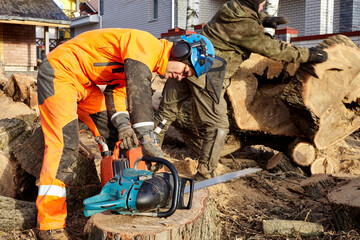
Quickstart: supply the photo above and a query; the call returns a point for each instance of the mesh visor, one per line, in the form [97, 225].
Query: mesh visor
[215, 78]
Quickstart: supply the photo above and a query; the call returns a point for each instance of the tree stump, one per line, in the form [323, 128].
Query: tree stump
[200, 222]
[16, 214]
[345, 202]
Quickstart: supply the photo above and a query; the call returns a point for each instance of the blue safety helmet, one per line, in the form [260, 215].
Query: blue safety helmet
[196, 51]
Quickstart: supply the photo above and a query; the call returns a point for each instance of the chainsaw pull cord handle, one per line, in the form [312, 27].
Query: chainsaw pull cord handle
[174, 173]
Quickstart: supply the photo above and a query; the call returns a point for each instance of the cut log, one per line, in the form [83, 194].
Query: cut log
[345, 203]
[292, 228]
[324, 165]
[11, 109]
[200, 222]
[16, 214]
[280, 162]
[14, 131]
[302, 153]
[22, 88]
[325, 106]
[347, 154]
[254, 96]
[7, 177]
[85, 184]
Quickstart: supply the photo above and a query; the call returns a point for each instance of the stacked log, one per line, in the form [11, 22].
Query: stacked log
[302, 111]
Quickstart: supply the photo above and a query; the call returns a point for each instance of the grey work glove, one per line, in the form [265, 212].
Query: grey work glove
[151, 149]
[317, 55]
[273, 22]
[127, 136]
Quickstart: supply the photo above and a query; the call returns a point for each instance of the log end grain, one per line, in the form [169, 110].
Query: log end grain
[303, 154]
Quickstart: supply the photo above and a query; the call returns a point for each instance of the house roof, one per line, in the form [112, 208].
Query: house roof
[32, 12]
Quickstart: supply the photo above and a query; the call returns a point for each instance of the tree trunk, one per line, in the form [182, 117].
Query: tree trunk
[16, 214]
[200, 222]
[325, 105]
[345, 203]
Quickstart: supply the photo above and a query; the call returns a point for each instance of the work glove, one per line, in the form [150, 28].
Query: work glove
[273, 22]
[151, 149]
[317, 55]
[127, 136]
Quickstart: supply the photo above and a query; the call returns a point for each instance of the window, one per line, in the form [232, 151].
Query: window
[155, 11]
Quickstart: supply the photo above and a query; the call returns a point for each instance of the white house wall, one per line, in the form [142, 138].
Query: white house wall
[294, 11]
[85, 28]
[208, 8]
[137, 14]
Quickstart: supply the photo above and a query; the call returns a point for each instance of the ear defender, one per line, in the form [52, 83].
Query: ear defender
[181, 51]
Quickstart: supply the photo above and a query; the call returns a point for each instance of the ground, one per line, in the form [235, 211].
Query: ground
[243, 203]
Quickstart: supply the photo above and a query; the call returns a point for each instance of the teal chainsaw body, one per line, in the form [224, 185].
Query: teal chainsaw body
[141, 192]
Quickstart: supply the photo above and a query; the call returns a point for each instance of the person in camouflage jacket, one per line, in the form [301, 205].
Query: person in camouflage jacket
[236, 31]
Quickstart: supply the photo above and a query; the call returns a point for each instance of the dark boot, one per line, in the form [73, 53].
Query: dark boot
[55, 234]
[210, 153]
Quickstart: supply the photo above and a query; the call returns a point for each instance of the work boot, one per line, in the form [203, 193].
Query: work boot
[54, 234]
[210, 153]
[199, 177]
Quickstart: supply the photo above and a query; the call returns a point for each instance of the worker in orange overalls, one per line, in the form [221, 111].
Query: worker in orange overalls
[122, 59]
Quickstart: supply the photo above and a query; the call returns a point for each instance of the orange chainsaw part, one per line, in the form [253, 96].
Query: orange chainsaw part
[107, 166]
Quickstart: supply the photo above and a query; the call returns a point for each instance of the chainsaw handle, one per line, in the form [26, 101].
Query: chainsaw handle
[174, 173]
[183, 182]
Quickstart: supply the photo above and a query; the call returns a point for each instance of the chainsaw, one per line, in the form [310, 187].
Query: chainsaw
[129, 188]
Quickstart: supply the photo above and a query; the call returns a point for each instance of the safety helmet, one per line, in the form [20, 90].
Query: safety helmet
[196, 51]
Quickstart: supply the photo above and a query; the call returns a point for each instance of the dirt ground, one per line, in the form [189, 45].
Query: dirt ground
[243, 203]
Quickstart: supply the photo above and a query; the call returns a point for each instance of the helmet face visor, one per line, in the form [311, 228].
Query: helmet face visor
[215, 78]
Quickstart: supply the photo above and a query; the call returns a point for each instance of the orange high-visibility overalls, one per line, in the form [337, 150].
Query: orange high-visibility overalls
[67, 90]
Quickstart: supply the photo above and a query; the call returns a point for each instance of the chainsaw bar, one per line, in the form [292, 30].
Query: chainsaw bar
[222, 178]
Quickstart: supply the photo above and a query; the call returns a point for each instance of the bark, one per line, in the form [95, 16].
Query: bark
[292, 228]
[85, 184]
[280, 162]
[318, 186]
[200, 222]
[345, 203]
[14, 131]
[16, 214]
